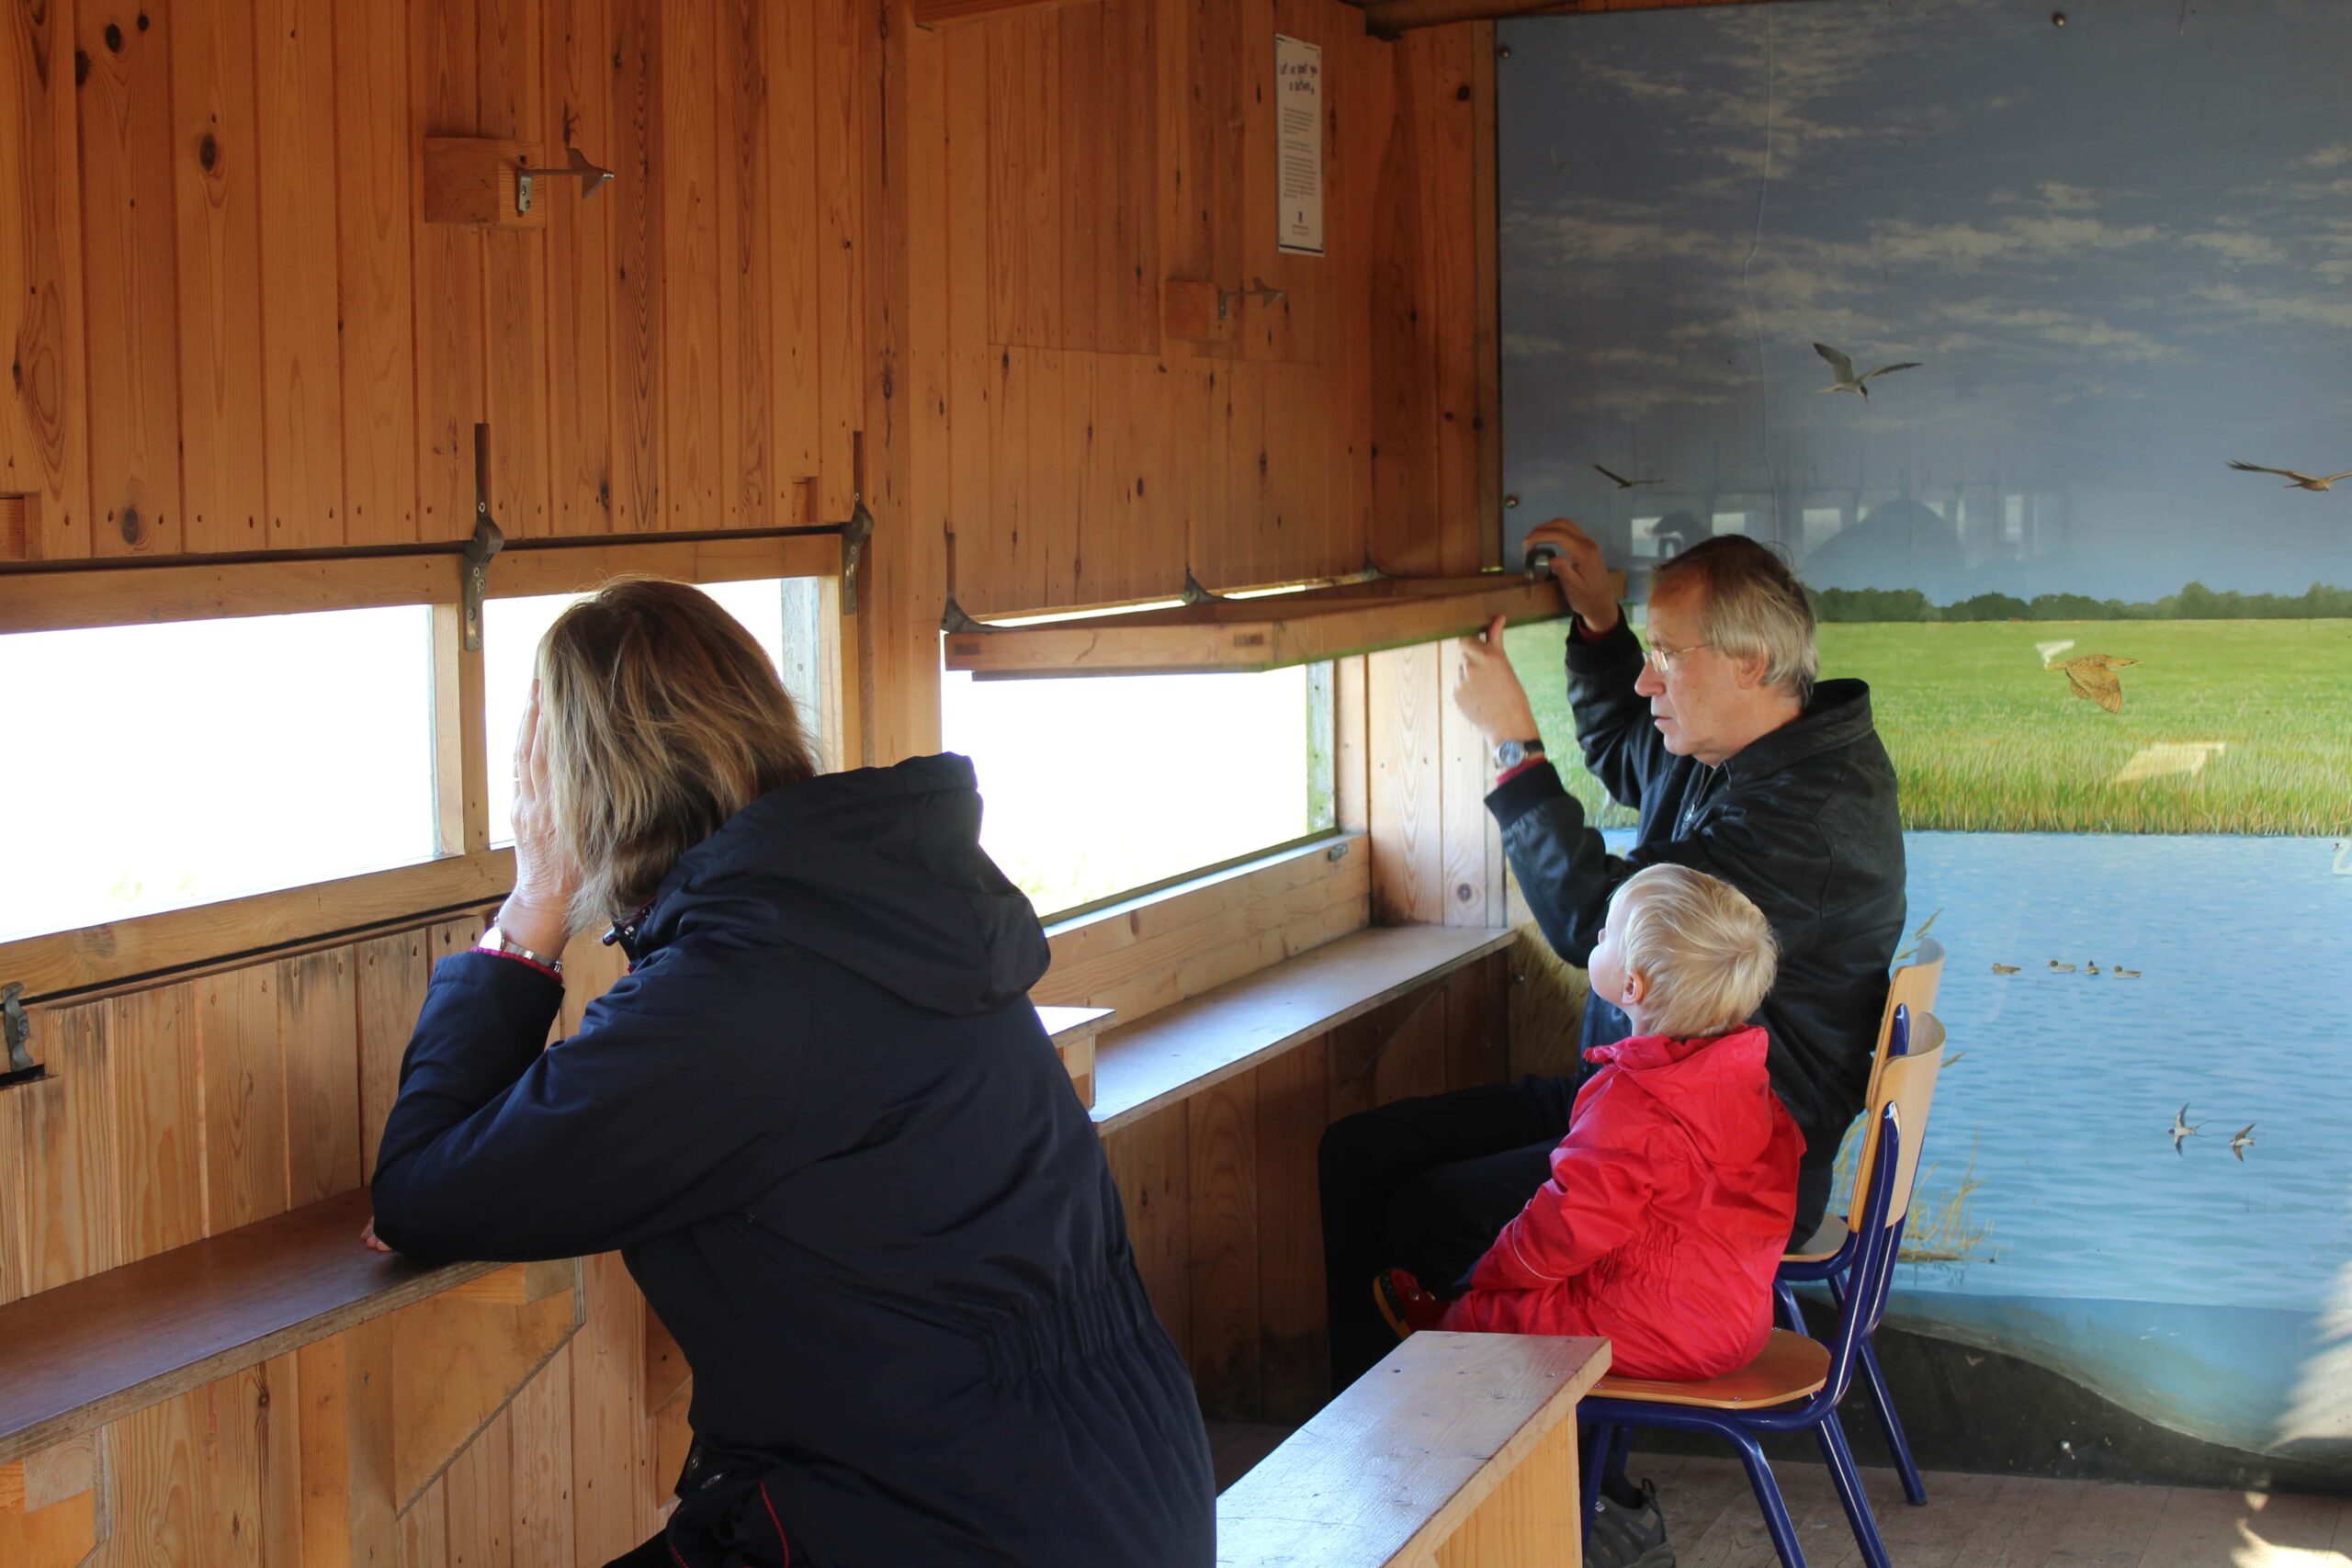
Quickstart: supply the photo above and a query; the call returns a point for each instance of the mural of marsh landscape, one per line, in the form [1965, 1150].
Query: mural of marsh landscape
[2100, 264]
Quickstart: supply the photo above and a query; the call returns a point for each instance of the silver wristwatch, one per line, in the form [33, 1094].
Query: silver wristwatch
[496, 941]
[1511, 753]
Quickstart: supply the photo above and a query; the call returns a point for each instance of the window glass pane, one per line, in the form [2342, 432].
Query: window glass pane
[780, 614]
[1099, 786]
[196, 760]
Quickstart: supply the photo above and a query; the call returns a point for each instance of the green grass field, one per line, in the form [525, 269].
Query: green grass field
[1986, 739]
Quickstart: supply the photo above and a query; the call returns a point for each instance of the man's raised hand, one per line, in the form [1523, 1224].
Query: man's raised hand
[1488, 690]
[1582, 575]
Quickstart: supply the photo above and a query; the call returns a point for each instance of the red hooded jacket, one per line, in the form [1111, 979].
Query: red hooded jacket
[1667, 1210]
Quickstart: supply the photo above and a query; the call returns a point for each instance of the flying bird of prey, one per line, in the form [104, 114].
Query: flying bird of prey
[2183, 1128]
[2093, 678]
[2294, 481]
[1622, 482]
[1842, 368]
[2005, 968]
[2241, 1141]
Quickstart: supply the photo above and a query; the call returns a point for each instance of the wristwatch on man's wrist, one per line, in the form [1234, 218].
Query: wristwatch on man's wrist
[496, 941]
[1511, 753]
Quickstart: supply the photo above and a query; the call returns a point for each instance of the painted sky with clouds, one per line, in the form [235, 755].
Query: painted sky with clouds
[2122, 250]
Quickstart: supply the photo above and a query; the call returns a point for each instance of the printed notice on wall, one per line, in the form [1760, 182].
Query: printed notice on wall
[1298, 119]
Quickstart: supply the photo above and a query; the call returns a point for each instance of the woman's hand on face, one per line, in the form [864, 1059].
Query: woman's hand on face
[1488, 690]
[1581, 573]
[538, 914]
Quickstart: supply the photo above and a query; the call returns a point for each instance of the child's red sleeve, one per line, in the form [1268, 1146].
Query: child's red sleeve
[1599, 1196]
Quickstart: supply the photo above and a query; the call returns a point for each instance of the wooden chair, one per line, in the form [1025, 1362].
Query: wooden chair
[1825, 1258]
[1796, 1383]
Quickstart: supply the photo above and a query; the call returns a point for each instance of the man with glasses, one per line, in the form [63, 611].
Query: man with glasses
[1742, 766]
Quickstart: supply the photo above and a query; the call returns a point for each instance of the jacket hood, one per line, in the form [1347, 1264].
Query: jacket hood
[1710, 1086]
[879, 870]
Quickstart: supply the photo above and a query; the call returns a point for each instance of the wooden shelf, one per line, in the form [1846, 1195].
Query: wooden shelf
[1181, 1050]
[84, 1354]
[1268, 633]
[1073, 1032]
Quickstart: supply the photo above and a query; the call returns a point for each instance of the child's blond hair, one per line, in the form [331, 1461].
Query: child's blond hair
[1705, 949]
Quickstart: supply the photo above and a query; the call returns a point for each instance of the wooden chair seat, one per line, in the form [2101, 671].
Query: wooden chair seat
[1791, 1366]
[1823, 1245]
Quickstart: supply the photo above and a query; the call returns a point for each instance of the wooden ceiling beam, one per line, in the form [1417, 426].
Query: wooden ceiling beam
[1387, 18]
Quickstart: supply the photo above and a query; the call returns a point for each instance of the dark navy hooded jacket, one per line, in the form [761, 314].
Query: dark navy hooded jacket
[824, 1126]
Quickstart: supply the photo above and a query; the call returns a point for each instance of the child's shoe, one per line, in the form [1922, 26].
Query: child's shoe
[1628, 1537]
[1403, 1302]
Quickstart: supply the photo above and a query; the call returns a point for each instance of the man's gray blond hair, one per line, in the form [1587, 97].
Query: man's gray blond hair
[1754, 607]
[1702, 945]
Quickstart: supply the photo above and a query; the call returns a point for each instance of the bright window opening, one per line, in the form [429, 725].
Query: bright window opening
[780, 614]
[1101, 786]
[190, 762]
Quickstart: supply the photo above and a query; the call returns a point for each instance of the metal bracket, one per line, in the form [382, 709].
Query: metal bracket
[854, 535]
[1260, 290]
[1538, 559]
[16, 1064]
[1193, 593]
[953, 619]
[592, 178]
[488, 541]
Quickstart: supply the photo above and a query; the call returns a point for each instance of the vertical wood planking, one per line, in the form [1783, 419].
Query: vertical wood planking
[480, 1487]
[967, 232]
[1472, 873]
[1447, 195]
[1087, 130]
[613, 1489]
[928, 373]
[157, 1109]
[1294, 1354]
[452, 390]
[375, 205]
[1406, 794]
[510, 88]
[1222, 1146]
[424, 1528]
[577, 111]
[244, 1097]
[68, 1195]
[44, 407]
[789, 211]
[217, 179]
[638, 197]
[691, 183]
[747, 285]
[1484, 307]
[1414, 1061]
[1152, 1166]
[389, 973]
[16, 1272]
[301, 353]
[318, 1014]
[1126, 180]
[157, 1480]
[130, 290]
[541, 1472]
[838, 234]
[348, 1517]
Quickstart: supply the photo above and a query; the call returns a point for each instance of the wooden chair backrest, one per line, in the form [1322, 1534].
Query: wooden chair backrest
[1912, 985]
[1908, 1083]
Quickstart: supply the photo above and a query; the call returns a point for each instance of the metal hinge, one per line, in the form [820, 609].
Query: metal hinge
[488, 540]
[854, 535]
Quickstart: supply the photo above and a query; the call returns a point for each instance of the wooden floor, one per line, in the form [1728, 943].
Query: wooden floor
[1970, 1521]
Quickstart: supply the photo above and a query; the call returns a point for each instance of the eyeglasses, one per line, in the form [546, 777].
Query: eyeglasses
[1662, 659]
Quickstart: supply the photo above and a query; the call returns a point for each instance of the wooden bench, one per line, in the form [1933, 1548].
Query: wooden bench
[1458, 1449]
[409, 1360]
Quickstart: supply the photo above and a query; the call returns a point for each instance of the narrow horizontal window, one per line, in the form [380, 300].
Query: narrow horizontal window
[160, 766]
[1098, 786]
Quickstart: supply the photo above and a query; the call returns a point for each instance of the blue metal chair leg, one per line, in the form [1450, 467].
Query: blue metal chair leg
[1768, 1494]
[1914, 1490]
[1848, 1478]
[1791, 1315]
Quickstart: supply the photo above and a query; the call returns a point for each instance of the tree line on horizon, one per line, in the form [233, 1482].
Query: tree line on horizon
[2195, 602]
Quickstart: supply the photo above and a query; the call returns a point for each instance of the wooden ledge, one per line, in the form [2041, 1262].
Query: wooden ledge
[1268, 633]
[74, 1358]
[1457, 1449]
[1073, 1032]
[1181, 1050]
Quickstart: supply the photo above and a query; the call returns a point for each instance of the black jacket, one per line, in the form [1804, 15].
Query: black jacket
[1804, 821]
[821, 1122]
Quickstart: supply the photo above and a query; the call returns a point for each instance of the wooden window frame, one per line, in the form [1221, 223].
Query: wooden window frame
[464, 871]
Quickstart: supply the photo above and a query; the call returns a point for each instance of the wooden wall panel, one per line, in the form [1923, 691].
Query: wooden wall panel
[44, 407]
[302, 344]
[374, 197]
[510, 58]
[577, 111]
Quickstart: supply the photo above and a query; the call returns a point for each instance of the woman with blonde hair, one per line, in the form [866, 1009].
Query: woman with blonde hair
[818, 1118]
